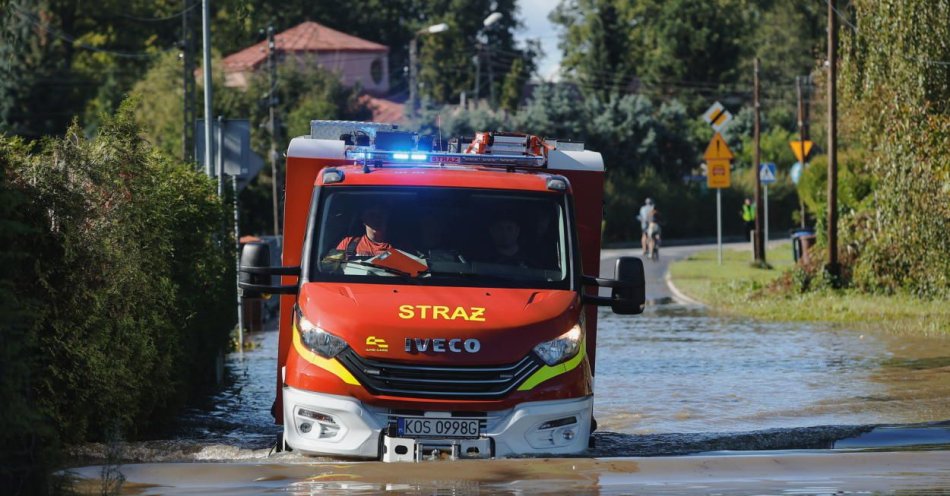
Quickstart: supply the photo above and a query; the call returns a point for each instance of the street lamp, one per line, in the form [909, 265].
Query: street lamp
[413, 71]
[492, 19]
[487, 24]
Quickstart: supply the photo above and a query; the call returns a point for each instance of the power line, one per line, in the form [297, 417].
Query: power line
[72, 39]
[160, 19]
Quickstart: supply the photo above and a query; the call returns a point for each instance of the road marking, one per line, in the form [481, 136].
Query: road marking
[677, 294]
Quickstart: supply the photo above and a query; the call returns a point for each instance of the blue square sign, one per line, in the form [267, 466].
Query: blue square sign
[767, 173]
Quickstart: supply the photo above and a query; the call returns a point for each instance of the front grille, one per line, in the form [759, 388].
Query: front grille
[425, 381]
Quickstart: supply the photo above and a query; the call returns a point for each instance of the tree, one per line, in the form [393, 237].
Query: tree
[900, 103]
[446, 60]
[600, 43]
[514, 82]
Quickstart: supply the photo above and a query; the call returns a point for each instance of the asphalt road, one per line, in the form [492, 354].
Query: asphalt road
[658, 291]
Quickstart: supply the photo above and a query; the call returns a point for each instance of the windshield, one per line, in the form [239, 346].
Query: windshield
[441, 236]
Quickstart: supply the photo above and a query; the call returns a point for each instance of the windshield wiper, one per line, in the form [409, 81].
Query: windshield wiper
[465, 275]
[388, 270]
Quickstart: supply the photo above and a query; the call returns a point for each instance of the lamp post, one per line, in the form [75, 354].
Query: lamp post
[487, 24]
[413, 70]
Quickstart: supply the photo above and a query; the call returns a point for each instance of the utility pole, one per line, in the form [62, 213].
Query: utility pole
[758, 246]
[413, 69]
[206, 66]
[478, 74]
[801, 139]
[487, 26]
[491, 74]
[272, 105]
[413, 76]
[832, 140]
[188, 80]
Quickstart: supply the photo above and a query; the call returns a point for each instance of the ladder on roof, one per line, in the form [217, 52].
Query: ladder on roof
[497, 143]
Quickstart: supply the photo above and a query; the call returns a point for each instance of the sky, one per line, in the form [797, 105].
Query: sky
[534, 15]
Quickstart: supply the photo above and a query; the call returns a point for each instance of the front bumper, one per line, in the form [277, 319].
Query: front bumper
[325, 424]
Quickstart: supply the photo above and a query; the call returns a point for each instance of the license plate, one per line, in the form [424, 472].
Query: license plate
[441, 427]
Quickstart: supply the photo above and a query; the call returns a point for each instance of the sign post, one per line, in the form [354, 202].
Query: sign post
[718, 155]
[766, 177]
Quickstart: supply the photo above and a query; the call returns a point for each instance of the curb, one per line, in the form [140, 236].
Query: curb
[677, 294]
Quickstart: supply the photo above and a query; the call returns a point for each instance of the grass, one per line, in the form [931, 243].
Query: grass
[738, 288]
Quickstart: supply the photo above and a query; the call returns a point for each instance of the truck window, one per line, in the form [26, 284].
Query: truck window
[441, 236]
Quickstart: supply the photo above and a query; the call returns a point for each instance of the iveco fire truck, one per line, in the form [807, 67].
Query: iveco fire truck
[438, 300]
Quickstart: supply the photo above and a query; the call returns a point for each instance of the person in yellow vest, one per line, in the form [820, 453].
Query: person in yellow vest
[748, 216]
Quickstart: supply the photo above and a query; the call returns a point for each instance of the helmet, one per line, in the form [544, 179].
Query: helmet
[649, 201]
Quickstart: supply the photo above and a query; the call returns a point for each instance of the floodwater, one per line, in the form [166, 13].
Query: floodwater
[675, 381]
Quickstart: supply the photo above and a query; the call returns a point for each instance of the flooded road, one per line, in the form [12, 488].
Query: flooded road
[676, 380]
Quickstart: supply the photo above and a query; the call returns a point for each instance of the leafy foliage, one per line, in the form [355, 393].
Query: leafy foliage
[648, 147]
[896, 83]
[128, 281]
[28, 442]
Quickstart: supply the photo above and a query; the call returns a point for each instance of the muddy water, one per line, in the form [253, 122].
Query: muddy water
[675, 380]
[677, 369]
[789, 474]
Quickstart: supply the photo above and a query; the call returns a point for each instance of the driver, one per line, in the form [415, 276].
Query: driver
[374, 241]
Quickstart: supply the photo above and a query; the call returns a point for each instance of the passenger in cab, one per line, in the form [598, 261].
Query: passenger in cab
[504, 233]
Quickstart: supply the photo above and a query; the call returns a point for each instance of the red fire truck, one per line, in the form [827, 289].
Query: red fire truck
[438, 301]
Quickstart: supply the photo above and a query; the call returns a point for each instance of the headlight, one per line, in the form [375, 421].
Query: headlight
[316, 339]
[563, 348]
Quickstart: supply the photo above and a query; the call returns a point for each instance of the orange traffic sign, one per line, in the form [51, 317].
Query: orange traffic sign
[717, 149]
[717, 173]
[801, 149]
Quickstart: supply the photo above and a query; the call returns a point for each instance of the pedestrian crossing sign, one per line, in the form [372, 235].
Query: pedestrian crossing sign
[767, 173]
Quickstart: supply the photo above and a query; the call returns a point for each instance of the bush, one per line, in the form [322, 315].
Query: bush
[901, 107]
[127, 278]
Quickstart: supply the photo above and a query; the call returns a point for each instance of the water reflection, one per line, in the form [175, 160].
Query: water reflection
[675, 372]
[678, 369]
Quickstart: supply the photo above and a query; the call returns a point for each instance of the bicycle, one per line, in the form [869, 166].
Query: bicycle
[654, 241]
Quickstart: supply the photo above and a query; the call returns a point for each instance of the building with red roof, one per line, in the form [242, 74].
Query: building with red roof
[354, 59]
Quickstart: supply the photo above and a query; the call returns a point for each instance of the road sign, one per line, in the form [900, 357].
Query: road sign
[767, 173]
[718, 149]
[235, 144]
[717, 116]
[717, 173]
[797, 149]
[796, 172]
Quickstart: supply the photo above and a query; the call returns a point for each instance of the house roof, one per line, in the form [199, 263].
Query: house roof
[305, 37]
[384, 110]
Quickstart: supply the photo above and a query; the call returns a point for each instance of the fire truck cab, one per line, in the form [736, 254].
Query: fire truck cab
[438, 301]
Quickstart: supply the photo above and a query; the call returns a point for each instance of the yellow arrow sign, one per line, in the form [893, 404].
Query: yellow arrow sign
[717, 149]
[801, 149]
[717, 173]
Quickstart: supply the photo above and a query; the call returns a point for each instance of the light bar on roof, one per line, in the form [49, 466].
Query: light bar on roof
[490, 160]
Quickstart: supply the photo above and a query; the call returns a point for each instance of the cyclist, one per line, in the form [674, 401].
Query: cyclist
[645, 215]
[653, 234]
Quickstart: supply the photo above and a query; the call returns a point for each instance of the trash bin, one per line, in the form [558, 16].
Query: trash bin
[802, 240]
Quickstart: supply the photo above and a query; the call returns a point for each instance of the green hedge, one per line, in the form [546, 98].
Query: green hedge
[118, 287]
[896, 96]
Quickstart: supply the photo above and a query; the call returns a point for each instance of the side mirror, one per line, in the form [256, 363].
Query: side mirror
[628, 288]
[630, 297]
[254, 277]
